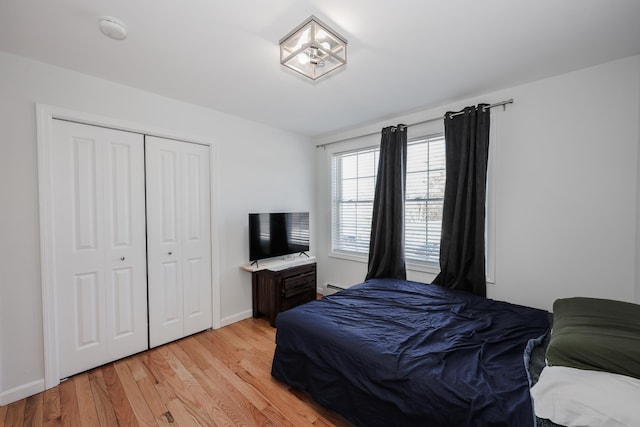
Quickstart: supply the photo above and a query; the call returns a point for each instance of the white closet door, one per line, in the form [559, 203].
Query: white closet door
[178, 239]
[196, 242]
[100, 255]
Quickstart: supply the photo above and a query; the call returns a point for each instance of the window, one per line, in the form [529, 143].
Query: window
[352, 190]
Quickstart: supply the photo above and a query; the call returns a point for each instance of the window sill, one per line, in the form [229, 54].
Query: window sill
[411, 266]
[349, 257]
[423, 268]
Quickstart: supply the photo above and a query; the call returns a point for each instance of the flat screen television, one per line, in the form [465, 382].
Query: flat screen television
[277, 234]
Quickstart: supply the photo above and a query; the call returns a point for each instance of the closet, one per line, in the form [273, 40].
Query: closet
[109, 233]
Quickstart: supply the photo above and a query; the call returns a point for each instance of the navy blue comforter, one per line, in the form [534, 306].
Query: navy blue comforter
[398, 353]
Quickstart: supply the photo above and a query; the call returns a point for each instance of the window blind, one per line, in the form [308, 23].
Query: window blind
[353, 185]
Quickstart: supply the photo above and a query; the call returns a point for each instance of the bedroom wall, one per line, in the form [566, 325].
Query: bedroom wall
[258, 168]
[638, 210]
[565, 186]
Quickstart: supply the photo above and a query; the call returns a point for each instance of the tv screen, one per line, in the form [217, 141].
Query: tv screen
[277, 234]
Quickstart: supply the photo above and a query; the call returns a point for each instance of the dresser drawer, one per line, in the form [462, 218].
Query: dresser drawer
[303, 279]
[293, 272]
[300, 298]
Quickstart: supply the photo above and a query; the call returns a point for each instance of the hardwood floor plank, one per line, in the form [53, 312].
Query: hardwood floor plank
[84, 394]
[226, 398]
[15, 414]
[223, 350]
[327, 417]
[136, 399]
[3, 414]
[33, 410]
[69, 409]
[157, 407]
[118, 397]
[223, 371]
[277, 417]
[185, 417]
[203, 400]
[198, 354]
[146, 383]
[263, 336]
[164, 362]
[51, 416]
[104, 406]
[293, 410]
[228, 336]
[253, 396]
[153, 372]
[136, 367]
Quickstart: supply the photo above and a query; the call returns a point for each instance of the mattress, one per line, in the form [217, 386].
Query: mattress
[399, 353]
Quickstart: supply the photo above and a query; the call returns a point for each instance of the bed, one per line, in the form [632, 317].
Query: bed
[400, 353]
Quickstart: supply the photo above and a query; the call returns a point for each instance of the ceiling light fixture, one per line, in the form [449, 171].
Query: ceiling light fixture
[313, 49]
[112, 27]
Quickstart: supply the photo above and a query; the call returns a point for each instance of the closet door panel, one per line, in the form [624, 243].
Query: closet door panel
[125, 255]
[179, 247]
[86, 300]
[79, 248]
[197, 240]
[170, 294]
[85, 174]
[122, 293]
[164, 237]
[120, 196]
[85, 257]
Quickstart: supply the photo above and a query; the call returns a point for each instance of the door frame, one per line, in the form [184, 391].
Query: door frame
[45, 114]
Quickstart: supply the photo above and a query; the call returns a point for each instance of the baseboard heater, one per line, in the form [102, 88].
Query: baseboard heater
[332, 289]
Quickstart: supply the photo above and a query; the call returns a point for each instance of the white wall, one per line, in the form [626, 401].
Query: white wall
[565, 186]
[259, 168]
[638, 211]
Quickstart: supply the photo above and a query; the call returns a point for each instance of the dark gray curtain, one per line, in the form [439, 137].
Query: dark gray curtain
[386, 247]
[462, 246]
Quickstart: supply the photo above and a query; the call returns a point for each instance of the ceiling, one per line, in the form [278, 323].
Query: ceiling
[403, 55]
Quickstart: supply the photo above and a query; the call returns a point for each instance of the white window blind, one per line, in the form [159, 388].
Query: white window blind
[353, 184]
[424, 199]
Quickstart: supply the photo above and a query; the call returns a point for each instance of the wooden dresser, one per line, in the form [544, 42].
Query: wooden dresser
[279, 289]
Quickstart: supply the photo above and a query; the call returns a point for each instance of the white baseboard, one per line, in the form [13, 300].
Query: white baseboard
[235, 318]
[20, 392]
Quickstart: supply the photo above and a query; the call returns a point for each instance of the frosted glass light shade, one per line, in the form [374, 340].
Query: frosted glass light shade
[313, 49]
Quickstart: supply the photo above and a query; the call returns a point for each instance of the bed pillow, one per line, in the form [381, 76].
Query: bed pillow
[596, 334]
[575, 397]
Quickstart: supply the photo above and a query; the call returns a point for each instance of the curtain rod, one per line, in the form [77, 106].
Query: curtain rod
[497, 104]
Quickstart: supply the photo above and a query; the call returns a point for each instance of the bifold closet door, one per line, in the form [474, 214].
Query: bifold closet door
[100, 259]
[178, 239]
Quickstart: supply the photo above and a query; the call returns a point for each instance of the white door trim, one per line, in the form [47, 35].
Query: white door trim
[45, 114]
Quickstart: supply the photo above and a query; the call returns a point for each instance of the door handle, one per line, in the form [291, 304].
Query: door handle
[121, 258]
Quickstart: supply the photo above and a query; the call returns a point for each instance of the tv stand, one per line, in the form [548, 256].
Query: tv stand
[281, 288]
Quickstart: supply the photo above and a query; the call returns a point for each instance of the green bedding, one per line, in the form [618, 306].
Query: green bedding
[596, 334]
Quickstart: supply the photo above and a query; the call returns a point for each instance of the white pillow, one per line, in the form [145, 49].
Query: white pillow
[578, 398]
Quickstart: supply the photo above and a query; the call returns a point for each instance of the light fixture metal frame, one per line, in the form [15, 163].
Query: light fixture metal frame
[286, 56]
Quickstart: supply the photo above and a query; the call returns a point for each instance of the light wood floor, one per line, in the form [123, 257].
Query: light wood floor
[214, 378]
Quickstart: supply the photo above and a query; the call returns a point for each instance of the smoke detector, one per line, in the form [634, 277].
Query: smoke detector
[112, 27]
